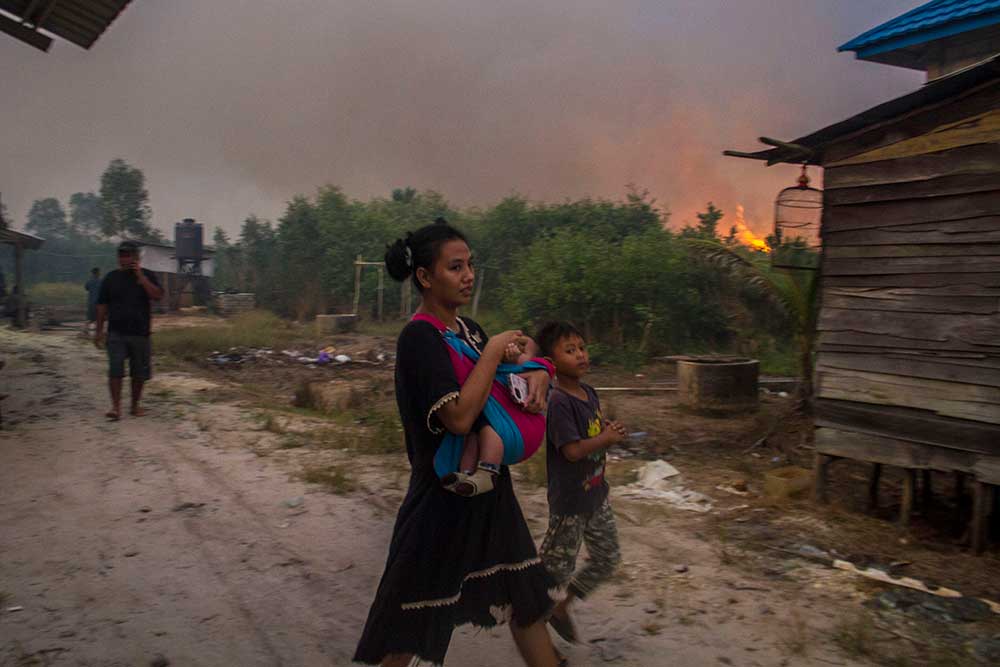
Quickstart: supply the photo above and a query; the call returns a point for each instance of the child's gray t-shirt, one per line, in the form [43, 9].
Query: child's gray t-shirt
[575, 487]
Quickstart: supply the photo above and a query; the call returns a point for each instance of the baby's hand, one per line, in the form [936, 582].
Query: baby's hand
[511, 353]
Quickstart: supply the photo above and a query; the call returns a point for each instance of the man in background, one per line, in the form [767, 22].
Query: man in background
[123, 302]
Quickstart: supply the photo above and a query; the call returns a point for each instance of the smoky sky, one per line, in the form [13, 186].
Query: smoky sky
[232, 107]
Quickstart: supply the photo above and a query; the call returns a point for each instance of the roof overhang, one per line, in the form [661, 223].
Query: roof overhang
[809, 149]
[81, 22]
[23, 239]
[901, 51]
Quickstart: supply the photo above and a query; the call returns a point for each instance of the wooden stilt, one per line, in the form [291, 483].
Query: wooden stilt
[994, 523]
[821, 472]
[926, 491]
[909, 491]
[873, 481]
[21, 314]
[959, 515]
[980, 512]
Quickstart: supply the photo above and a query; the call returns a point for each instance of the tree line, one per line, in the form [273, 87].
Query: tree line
[612, 266]
[84, 236]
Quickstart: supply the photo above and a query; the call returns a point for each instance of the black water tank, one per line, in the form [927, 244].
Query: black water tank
[188, 239]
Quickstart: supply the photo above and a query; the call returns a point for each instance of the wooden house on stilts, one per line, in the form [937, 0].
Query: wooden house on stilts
[908, 358]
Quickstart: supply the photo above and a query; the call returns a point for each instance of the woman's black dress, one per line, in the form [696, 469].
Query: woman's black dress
[452, 560]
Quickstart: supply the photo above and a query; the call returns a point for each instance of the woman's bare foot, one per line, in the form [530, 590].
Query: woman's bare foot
[138, 411]
[114, 414]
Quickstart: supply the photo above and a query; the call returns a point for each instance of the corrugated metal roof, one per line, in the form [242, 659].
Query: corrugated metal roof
[78, 21]
[934, 20]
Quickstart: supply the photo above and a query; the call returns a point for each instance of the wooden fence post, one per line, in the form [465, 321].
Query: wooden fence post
[381, 286]
[479, 291]
[357, 284]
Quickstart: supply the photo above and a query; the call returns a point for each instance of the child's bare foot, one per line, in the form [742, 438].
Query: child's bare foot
[138, 411]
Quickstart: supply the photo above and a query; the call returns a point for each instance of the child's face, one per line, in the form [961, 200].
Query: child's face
[570, 357]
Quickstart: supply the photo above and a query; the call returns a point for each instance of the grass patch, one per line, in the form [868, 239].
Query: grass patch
[780, 361]
[796, 639]
[292, 441]
[268, 422]
[163, 393]
[389, 328]
[384, 432]
[854, 637]
[255, 329]
[331, 478]
[57, 294]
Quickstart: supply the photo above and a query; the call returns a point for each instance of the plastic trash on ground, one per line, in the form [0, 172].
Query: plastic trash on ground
[658, 480]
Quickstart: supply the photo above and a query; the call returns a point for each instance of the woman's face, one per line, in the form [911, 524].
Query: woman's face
[451, 278]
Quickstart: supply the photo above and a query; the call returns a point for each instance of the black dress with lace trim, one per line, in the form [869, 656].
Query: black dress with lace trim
[452, 560]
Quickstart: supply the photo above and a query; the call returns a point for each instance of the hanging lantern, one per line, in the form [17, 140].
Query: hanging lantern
[797, 214]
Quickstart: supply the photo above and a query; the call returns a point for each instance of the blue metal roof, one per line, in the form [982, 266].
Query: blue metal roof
[934, 20]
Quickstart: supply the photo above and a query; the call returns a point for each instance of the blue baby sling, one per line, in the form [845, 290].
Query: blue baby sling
[449, 453]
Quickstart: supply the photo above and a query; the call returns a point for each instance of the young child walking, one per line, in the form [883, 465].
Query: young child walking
[578, 438]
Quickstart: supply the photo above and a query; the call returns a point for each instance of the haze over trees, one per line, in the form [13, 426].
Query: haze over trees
[612, 266]
[86, 236]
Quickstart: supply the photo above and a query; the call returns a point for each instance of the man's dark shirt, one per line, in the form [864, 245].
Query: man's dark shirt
[127, 302]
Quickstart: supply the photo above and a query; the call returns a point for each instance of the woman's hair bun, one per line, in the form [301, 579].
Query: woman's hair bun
[398, 259]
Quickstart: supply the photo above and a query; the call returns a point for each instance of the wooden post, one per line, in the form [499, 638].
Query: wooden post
[381, 286]
[357, 284]
[873, 481]
[909, 490]
[959, 500]
[926, 491]
[21, 316]
[481, 278]
[980, 512]
[821, 471]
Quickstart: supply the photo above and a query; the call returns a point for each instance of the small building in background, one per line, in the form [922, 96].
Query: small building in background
[183, 289]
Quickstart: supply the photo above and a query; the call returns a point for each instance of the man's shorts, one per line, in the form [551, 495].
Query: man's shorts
[134, 348]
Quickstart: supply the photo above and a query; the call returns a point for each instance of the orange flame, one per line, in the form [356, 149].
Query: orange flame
[745, 235]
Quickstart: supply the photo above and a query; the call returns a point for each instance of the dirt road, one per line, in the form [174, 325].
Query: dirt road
[170, 536]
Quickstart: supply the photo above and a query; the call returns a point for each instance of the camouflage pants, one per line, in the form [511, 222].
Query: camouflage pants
[561, 547]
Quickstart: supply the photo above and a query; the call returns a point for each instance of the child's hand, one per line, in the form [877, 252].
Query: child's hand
[615, 432]
[511, 354]
[499, 343]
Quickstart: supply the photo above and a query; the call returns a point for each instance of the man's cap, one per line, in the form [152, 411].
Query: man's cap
[130, 247]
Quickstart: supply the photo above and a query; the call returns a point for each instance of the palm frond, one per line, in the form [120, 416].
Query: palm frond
[781, 292]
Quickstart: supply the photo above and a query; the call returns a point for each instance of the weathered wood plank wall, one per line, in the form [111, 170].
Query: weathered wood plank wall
[908, 364]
